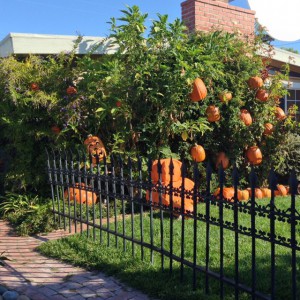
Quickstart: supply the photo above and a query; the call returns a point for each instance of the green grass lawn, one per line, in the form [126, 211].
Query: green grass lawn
[84, 251]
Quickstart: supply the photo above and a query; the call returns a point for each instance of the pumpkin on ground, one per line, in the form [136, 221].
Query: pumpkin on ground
[213, 113]
[243, 195]
[199, 90]
[198, 153]
[254, 155]
[257, 193]
[282, 190]
[246, 117]
[266, 192]
[223, 160]
[80, 195]
[165, 170]
[255, 82]
[165, 196]
[228, 193]
[262, 95]
[188, 186]
[95, 148]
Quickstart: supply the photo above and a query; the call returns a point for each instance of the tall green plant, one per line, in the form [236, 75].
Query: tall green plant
[137, 99]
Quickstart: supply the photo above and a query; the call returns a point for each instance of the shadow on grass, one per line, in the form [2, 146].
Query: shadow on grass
[81, 251]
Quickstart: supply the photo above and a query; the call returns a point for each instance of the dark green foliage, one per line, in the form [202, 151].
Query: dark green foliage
[137, 99]
[28, 214]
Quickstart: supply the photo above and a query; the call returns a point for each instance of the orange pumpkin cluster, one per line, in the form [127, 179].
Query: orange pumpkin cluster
[246, 194]
[165, 181]
[253, 153]
[79, 194]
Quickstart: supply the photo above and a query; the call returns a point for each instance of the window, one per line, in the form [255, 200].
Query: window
[293, 98]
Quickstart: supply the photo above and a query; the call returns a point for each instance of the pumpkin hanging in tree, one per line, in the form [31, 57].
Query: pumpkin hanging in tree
[198, 153]
[254, 155]
[255, 82]
[213, 113]
[199, 90]
[246, 117]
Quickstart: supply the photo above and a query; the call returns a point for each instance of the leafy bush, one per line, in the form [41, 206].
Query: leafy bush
[288, 156]
[137, 99]
[28, 214]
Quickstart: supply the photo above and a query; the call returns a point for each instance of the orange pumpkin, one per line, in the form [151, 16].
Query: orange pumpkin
[228, 193]
[266, 192]
[279, 114]
[80, 195]
[255, 82]
[198, 153]
[282, 190]
[225, 96]
[95, 148]
[199, 90]
[269, 128]
[243, 195]
[165, 170]
[213, 113]
[257, 193]
[246, 117]
[165, 196]
[55, 129]
[222, 159]
[71, 90]
[34, 86]
[262, 95]
[254, 155]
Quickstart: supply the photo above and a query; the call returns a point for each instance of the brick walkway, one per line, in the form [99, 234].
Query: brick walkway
[39, 277]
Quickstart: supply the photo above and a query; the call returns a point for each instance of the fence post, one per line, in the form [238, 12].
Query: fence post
[293, 190]
[171, 172]
[253, 180]
[151, 207]
[235, 177]
[221, 213]
[182, 195]
[207, 218]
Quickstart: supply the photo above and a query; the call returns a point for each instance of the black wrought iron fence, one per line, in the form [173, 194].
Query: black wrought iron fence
[249, 247]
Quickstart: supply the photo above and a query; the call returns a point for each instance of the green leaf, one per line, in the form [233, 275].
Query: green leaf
[100, 109]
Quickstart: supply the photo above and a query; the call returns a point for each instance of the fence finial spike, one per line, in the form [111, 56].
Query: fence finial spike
[272, 179]
[235, 175]
[183, 169]
[208, 171]
[139, 161]
[171, 167]
[293, 183]
[253, 177]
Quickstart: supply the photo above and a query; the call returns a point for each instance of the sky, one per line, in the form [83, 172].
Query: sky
[85, 17]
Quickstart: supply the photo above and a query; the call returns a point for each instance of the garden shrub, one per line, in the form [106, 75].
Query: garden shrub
[137, 100]
[27, 213]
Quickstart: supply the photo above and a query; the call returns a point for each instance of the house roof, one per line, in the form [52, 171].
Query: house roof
[281, 57]
[28, 43]
[44, 44]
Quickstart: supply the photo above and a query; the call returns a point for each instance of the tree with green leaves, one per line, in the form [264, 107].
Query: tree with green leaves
[137, 100]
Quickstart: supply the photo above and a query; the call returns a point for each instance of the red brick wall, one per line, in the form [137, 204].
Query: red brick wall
[208, 15]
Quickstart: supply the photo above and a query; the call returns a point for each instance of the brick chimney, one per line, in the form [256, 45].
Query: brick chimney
[207, 15]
